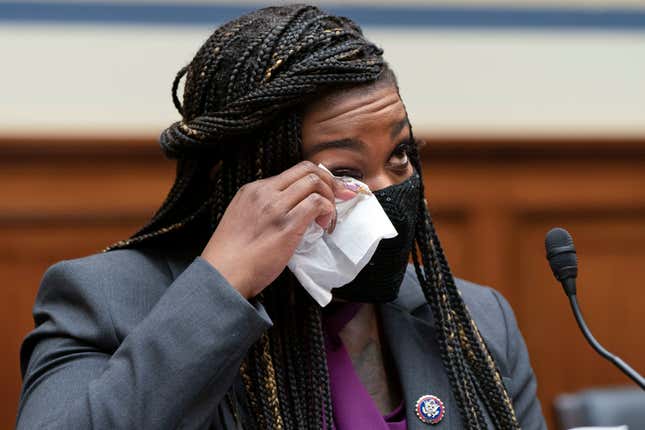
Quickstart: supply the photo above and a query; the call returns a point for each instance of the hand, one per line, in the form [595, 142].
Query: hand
[265, 221]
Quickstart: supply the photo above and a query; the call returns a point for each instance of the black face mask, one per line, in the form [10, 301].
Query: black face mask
[380, 280]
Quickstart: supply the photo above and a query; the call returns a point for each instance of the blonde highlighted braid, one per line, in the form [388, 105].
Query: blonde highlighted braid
[244, 91]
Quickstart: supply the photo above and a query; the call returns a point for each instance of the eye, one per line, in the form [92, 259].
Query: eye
[352, 173]
[399, 157]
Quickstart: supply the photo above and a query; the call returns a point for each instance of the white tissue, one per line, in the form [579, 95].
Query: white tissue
[325, 261]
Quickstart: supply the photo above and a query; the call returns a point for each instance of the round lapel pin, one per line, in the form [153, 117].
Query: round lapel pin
[430, 409]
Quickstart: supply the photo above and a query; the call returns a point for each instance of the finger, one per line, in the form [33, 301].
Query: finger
[304, 168]
[292, 174]
[303, 187]
[344, 190]
[313, 207]
[332, 224]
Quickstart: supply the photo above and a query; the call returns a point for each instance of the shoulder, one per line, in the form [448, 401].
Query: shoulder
[104, 274]
[122, 263]
[487, 307]
[479, 299]
[114, 290]
[122, 268]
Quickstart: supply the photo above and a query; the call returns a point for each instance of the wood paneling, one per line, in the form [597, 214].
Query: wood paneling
[492, 200]
[611, 255]
[61, 200]
[510, 196]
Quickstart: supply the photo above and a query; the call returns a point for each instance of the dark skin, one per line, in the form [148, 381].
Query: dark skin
[363, 133]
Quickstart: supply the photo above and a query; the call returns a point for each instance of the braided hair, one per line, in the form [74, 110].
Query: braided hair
[241, 121]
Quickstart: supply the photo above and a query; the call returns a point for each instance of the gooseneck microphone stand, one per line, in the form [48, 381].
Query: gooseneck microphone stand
[617, 361]
[561, 254]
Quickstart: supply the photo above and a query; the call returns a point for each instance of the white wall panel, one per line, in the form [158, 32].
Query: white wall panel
[116, 79]
[498, 83]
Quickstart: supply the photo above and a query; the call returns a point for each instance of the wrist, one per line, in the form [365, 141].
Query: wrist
[235, 277]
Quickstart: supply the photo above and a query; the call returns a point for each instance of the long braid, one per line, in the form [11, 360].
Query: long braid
[489, 384]
[253, 395]
[436, 296]
[319, 364]
[481, 374]
[244, 94]
[280, 377]
[269, 377]
[294, 354]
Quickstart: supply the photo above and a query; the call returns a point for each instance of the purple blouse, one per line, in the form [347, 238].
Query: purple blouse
[353, 407]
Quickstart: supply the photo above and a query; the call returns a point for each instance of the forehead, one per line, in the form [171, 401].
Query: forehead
[353, 112]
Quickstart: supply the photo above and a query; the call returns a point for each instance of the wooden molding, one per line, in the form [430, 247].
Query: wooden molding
[437, 145]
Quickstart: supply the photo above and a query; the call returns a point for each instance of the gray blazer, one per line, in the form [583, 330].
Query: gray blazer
[133, 339]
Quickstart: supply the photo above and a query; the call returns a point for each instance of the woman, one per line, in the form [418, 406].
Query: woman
[194, 322]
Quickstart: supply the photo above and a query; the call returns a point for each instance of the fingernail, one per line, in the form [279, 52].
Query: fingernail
[332, 222]
[351, 186]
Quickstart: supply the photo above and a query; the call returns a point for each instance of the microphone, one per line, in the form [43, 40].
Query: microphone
[563, 260]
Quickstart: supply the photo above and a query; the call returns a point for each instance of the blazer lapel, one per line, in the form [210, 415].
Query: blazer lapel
[418, 362]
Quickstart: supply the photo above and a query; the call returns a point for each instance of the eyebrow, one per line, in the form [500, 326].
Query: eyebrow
[397, 127]
[348, 143]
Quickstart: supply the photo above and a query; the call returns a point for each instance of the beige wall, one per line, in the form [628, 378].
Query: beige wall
[115, 80]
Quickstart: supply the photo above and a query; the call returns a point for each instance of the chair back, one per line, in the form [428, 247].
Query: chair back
[601, 407]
